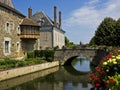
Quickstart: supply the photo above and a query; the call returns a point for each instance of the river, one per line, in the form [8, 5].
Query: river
[73, 77]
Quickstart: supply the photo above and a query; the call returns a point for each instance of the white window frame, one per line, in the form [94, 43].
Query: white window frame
[11, 25]
[18, 30]
[7, 27]
[7, 39]
[18, 46]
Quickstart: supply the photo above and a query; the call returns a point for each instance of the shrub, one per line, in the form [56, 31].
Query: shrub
[47, 54]
[21, 63]
[30, 55]
[57, 47]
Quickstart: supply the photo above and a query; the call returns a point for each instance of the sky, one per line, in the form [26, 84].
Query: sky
[80, 18]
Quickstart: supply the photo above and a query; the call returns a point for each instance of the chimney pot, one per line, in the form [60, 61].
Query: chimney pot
[30, 13]
[60, 19]
[55, 16]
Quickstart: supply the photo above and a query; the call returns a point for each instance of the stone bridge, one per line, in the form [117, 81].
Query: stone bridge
[66, 56]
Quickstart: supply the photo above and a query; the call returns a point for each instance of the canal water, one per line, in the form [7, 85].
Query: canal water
[73, 77]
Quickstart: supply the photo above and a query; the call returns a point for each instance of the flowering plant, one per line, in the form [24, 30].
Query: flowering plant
[107, 73]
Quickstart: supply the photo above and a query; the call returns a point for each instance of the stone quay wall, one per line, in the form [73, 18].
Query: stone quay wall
[7, 74]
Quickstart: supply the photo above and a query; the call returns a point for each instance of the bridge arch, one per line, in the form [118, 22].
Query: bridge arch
[66, 56]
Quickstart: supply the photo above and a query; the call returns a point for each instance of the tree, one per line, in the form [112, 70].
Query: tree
[105, 33]
[117, 33]
[66, 41]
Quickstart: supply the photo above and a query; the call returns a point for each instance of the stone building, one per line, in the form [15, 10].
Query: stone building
[18, 34]
[51, 33]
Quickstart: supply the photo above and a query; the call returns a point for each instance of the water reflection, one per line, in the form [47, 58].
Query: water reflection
[61, 79]
[81, 64]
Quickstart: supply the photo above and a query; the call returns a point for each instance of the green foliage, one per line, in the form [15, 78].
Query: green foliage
[49, 55]
[68, 43]
[36, 57]
[30, 54]
[7, 63]
[57, 47]
[46, 54]
[21, 63]
[107, 73]
[105, 34]
[39, 53]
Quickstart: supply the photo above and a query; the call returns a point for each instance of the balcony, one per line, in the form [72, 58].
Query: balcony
[29, 32]
[29, 36]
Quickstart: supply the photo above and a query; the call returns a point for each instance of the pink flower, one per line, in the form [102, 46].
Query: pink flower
[97, 84]
[92, 77]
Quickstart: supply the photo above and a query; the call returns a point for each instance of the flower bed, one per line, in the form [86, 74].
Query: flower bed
[106, 76]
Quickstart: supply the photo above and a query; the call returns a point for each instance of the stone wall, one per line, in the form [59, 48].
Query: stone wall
[26, 78]
[14, 20]
[45, 39]
[59, 38]
[4, 75]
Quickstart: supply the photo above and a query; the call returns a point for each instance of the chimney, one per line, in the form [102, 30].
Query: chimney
[55, 16]
[60, 20]
[30, 13]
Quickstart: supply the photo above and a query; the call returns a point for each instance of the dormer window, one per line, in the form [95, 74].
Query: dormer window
[41, 21]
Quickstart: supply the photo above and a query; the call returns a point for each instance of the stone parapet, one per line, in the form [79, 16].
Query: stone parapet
[7, 74]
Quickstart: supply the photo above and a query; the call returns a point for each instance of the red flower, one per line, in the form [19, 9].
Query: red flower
[97, 84]
[98, 78]
[103, 72]
[111, 80]
[98, 68]
[106, 83]
[109, 56]
[92, 77]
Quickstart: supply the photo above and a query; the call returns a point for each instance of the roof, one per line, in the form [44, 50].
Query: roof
[7, 2]
[37, 17]
[11, 9]
[29, 22]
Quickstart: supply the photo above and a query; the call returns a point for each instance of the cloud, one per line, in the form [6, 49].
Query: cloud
[91, 2]
[90, 15]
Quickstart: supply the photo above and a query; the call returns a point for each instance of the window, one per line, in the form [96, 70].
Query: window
[17, 46]
[11, 26]
[45, 36]
[7, 26]
[18, 30]
[7, 46]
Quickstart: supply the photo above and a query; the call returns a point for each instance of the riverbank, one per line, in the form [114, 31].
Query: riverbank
[6, 84]
[8, 74]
